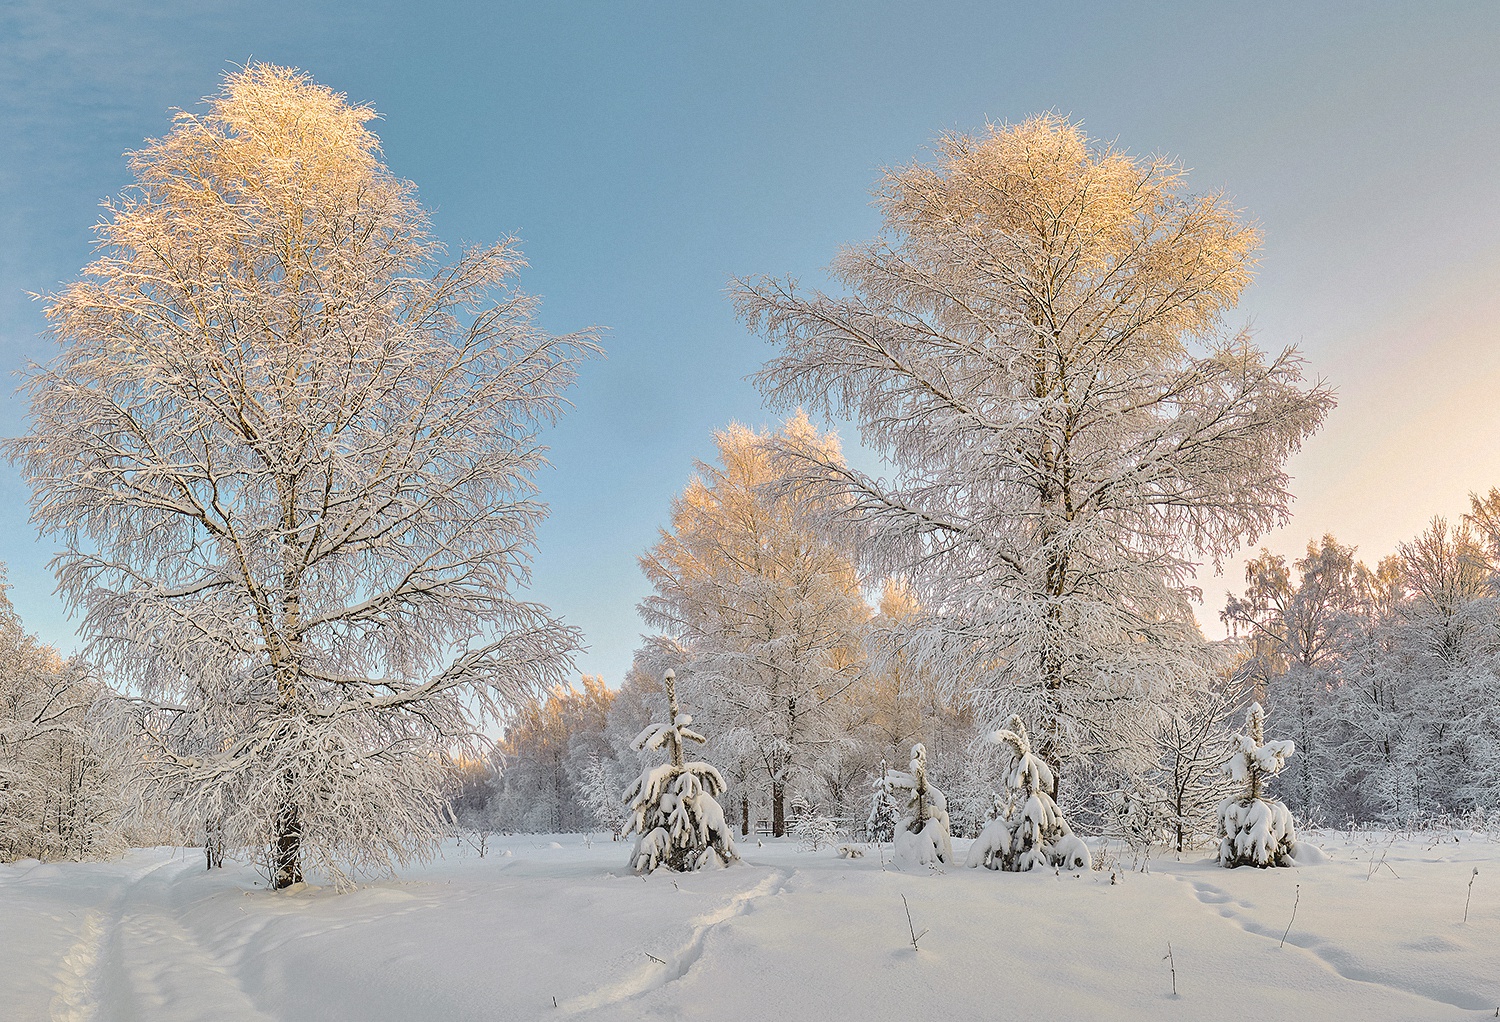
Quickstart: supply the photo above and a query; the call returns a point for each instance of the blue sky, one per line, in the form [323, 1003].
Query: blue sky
[644, 154]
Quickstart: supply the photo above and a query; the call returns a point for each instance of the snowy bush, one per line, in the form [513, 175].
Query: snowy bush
[675, 814]
[1032, 831]
[1256, 831]
[922, 837]
[812, 829]
[1137, 818]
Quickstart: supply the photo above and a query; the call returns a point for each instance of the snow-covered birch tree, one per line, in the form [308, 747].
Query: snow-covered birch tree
[762, 613]
[289, 451]
[1036, 344]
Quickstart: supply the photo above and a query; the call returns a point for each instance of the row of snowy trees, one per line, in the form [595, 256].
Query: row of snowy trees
[288, 451]
[1036, 347]
[1388, 680]
[60, 765]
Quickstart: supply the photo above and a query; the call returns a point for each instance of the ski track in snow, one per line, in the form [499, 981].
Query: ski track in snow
[76, 994]
[137, 963]
[654, 975]
[74, 997]
[1340, 961]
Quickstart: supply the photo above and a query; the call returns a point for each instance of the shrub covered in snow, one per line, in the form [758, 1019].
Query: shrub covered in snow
[674, 809]
[922, 837]
[1137, 818]
[812, 828]
[1256, 831]
[1031, 832]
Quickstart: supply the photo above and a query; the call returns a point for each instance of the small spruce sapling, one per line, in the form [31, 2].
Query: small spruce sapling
[881, 824]
[1253, 830]
[674, 809]
[922, 837]
[1031, 832]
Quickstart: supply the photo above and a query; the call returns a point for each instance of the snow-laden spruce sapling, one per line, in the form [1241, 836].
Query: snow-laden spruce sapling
[880, 826]
[1031, 832]
[1254, 830]
[922, 837]
[674, 809]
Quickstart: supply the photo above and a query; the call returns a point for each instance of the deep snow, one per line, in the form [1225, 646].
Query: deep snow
[783, 935]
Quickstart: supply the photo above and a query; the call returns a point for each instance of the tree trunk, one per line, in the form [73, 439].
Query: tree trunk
[288, 861]
[745, 813]
[778, 808]
[213, 844]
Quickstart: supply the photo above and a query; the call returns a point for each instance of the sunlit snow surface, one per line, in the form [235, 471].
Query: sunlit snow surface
[785, 935]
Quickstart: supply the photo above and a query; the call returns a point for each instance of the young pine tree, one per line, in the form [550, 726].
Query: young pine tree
[922, 836]
[1256, 831]
[675, 814]
[880, 826]
[1032, 831]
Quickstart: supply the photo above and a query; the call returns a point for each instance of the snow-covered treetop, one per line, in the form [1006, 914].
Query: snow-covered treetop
[673, 734]
[1029, 773]
[1254, 757]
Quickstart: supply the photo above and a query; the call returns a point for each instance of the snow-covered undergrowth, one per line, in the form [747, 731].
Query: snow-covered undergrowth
[1378, 934]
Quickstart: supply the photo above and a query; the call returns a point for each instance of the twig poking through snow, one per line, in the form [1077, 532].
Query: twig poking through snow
[1472, 877]
[1292, 920]
[1171, 964]
[649, 955]
[1375, 864]
[915, 936]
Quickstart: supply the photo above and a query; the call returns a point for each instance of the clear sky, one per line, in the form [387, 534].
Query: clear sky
[645, 153]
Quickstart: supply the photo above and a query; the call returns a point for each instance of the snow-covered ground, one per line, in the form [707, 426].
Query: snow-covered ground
[784, 935]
